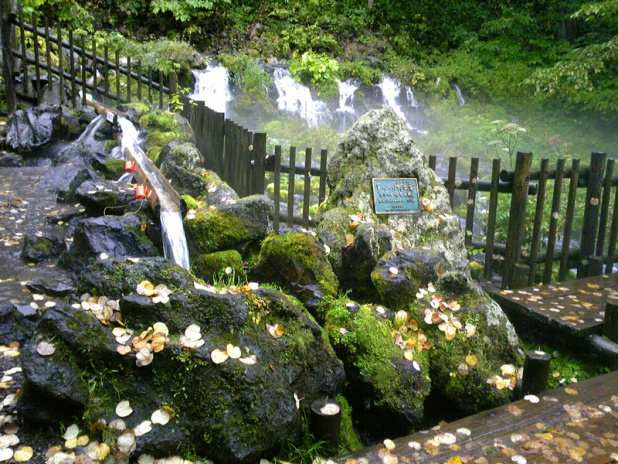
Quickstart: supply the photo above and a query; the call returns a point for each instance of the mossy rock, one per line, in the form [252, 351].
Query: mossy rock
[207, 186]
[38, 249]
[190, 202]
[299, 264]
[383, 383]
[229, 226]
[233, 412]
[185, 155]
[113, 169]
[211, 266]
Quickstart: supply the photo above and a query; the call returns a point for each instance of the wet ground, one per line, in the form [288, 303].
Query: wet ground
[28, 206]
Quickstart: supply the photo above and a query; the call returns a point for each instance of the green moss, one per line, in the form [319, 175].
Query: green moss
[190, 202]
[305, 250]
[209, 266]
[348, 440]
[212, 231]
[110, 145]
[162, 121]
[113, 169]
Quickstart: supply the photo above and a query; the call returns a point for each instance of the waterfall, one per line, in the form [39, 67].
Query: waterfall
[174, 239]
[391, 88]
[212, 86]
[459, 95]
[346, 111]
[410, 97]
[296, 98]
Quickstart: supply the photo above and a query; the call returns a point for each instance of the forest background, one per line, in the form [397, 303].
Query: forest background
[547, 67]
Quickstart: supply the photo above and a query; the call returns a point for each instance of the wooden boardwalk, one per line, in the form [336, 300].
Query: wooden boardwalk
[575, 307]
[574, 424]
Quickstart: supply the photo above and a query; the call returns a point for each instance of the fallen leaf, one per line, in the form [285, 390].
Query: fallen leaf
[23, 454]
[45, 348]
[219, 356]
[123, 409]
[160, 416]
[71, 432]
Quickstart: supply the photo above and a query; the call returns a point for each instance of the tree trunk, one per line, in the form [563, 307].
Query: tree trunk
[7, 55]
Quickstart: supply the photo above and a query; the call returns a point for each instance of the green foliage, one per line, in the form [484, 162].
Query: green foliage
[185, 10]
[360, 70]
[306, 38]
[315, 68]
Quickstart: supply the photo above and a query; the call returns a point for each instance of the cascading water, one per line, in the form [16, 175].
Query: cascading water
[391, 88]
[296, 98]
[410, 97]
[459, 95]
[174, 240]
[346, 109]
[212, 86]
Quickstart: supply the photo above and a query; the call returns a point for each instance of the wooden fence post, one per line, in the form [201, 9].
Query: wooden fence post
[591, 212]
[517, 216]
[259, 163]
[8, 61]
[491, 220]
[538, 220]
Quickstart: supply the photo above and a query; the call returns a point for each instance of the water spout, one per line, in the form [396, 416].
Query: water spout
[174, 240]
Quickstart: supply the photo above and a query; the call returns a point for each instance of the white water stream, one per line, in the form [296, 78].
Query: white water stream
[212, 86]
[174, 239]
[296, 98]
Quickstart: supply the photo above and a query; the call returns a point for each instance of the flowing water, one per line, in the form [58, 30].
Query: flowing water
[296, 98]
[459, 95]
[174, 239]
[212, 86]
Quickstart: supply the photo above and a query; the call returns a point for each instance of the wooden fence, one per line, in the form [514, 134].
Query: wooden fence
[74, 62]
[239, 156]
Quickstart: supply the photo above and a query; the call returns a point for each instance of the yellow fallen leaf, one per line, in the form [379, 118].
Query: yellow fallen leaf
[23, 454]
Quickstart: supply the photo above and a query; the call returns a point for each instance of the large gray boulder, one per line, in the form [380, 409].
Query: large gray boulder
[236, 411]
[414, 265]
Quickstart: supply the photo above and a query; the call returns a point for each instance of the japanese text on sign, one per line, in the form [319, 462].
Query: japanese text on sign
[395, 196]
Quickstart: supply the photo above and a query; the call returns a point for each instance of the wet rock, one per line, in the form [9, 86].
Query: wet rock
[213, 266]
[10, 160]
[299, 264]
[14, 326]
[68, 187]
[104, 197]
[234, 412]
[32, 128]
[41, 248]
[228, 226]
[114, 236]
[209, 188]
[51, 289]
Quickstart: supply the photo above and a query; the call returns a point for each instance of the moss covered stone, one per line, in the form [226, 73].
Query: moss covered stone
[113, 169]
[211, 266]
[229, 226]
[381, 379]
[298, 263]
[190, 202]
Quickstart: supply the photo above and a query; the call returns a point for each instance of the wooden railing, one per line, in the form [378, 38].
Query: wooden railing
[91, 73]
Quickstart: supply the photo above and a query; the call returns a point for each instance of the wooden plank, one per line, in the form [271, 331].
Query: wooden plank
[95, 78]
[117, 63]
[8, 61]
[591, 211]
[150, 86]
[568, 221]
[139, 80]
[538, 220]
[37, 68]
[491, 220]
[519, 201]
[161, 90]
[469, 229]
[227, 133]
[553, 222]
[259, 166]
[323, 164]
[277, 181]
[307, 191]
[607, 190]
[84, 79]
[432, 162]
[613, 236]
[450, 184]
[60, 66]
[218, 138]
[564, 420]
[129, 79]
[48, 53]
[24, 63]
[571, 308]
[291, 181]
[72, 64]
[106, 71]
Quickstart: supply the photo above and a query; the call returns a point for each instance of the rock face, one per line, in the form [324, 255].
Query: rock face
[34, 127]
[114, 236]
[234, 412]
[437, 331]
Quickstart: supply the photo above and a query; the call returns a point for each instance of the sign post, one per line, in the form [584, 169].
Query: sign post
[395, 196]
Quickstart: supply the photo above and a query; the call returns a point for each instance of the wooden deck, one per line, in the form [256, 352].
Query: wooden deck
[574, 424]
[574, 307]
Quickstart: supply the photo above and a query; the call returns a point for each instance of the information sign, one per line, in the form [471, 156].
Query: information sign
[395, 196]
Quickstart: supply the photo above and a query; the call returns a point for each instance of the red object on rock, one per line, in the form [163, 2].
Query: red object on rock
[129, 166]
[141, 192]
